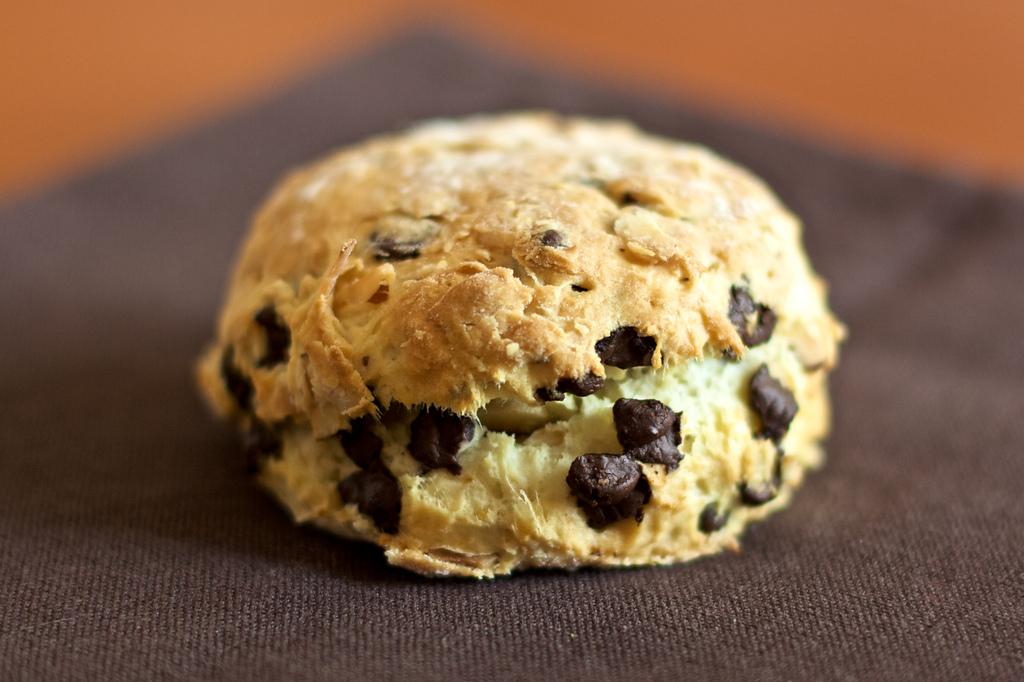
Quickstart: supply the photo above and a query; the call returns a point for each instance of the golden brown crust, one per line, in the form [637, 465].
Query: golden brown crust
[657, 232]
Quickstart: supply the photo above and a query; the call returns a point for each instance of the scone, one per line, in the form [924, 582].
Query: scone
[524, 340]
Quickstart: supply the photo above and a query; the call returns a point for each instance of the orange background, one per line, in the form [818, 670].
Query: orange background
[937, 83]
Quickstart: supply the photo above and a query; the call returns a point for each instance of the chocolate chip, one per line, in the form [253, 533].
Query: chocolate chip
[608, 488]
[279, 338]
[377, 494]
[638, 422]
[649, 431]
[387, 248]
[258, 443]
[361, 444]
[394, 413]
[664, 450]
[546, 394]
[599, 516]
[740, 305]
[754, 321]
[584, 386]
[763, 330]
[710, 520]
[773, 403]
[553, 239]
[578, 288]
[239, 385]
[755, 495]
[437, 436]
[625, 348]
[602, 479]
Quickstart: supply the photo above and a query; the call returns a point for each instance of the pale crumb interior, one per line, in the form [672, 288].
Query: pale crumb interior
[511, 506]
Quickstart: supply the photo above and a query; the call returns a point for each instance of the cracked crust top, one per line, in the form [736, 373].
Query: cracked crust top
[465, 261]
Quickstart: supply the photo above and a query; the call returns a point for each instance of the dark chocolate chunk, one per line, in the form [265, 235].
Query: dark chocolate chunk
[437, 436]
[387, 248]
[547, 394]
[584, 386]
[638, 422]
[377, 494]
[756, 495]
[762, 331]
[578, 288]
[710, 520]
[394, 413]
[649, 431]
[754, 321]
[664, 450]
[239, 385]
[362, 445]
[625, 348]
[608, 488]
[773, 402]
[279, 338]
[601, 515]
[602, 479]
[740, 305]
[258, 443]
[553, 239]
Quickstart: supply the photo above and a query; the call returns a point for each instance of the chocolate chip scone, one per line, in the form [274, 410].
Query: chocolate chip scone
[524, 340]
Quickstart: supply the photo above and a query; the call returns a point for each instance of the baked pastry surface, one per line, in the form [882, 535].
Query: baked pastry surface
[525, 340]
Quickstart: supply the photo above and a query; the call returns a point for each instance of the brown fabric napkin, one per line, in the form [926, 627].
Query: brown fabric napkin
[132, 545]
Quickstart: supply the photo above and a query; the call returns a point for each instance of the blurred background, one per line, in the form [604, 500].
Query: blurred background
[937, 84]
